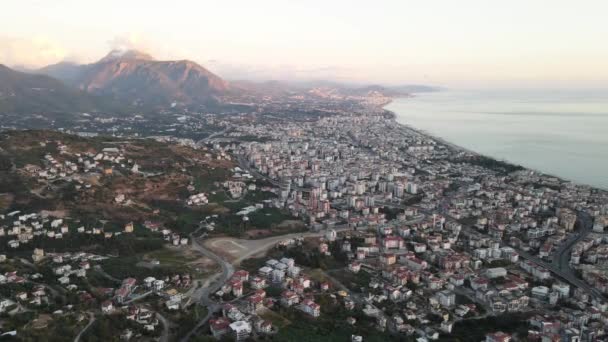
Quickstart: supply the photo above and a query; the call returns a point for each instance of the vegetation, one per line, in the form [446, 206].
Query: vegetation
[476, 329]
[108, 328]
[125, 267]
[330, 326]
[492, 164]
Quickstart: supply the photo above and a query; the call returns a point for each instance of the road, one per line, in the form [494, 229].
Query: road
[138, 297]
[561, 269]
[164, 336]
[226, 272]
[208, 139]
[243, 164]
[92, 319]
[561, 256]
[227, 269]
[103, 273]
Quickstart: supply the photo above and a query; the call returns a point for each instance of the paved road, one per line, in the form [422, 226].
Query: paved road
[226, 272]
[561, 269]
[561, 256]
[208, 139]
[227, 269]
[138, 297]
[103, 273]
[164, 336]
[92, 319]
[243, 164]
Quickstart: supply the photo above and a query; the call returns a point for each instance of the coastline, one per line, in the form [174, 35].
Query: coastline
[461, 149]
[422, 132]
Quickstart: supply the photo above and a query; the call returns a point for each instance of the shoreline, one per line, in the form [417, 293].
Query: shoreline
[462, 149]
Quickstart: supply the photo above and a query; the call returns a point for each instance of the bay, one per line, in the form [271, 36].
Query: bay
[562, 132]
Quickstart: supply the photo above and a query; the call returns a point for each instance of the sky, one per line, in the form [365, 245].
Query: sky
[465, 43]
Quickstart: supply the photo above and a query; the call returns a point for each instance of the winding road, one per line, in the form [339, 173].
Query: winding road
[213, 286]
[227, 269]
[92, 319]
[561, 268]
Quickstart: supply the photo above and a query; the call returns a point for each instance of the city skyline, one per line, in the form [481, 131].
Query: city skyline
[465, 44]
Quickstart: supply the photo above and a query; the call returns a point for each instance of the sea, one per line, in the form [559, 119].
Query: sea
[563, 133]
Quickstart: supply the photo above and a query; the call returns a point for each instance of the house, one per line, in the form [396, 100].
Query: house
[446, 327]
[219, 327]
[129, 227]
[257, 283]
[242, 275]
[278, 276]
[122, 294]
[255, 303]
[393, 242]
[263, 326]
[126, 335]
[479, 283]
[158, 285]
[388, 258]
[311, 308]
[498, 336]
[240, 330]
[265, 271]
[446, 298]
[172, 304]
[304, 281]
[416, 264]
[237, 289]
[289, 298]
[457, 279]
[324, 286]
[288, 261]
[107, 307]
[497, 272]
[129, 283]
[149, 282]
[5, 304]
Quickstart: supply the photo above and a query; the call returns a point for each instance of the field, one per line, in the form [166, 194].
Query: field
[171, 260]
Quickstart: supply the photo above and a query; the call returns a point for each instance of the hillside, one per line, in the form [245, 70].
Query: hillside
[29, 93]
[138, 78]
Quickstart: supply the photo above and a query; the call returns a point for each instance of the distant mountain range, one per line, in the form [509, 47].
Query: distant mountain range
[133, 80]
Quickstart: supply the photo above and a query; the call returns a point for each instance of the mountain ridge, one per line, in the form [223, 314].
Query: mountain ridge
[136, 76]
[22, 92]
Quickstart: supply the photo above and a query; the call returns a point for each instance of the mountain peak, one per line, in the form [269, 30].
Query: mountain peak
[119, 54]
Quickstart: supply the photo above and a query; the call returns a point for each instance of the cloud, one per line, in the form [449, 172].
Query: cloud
[141, 42]
[130, 41]
[286, 72]
[36, 52]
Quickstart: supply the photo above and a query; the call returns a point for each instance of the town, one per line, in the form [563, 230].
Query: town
[309, 217]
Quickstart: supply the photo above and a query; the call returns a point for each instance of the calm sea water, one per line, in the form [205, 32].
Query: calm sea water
[562, 133]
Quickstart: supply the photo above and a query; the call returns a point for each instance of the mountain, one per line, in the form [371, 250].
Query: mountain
[31, 93]
[68, 72]
[137, 77]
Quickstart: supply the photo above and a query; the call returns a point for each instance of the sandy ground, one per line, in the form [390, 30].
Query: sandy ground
[236, 250]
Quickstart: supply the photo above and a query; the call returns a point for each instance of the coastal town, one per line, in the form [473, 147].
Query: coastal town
[310, 217]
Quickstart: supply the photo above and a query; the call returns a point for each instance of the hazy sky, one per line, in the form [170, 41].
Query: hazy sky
[464, 42]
